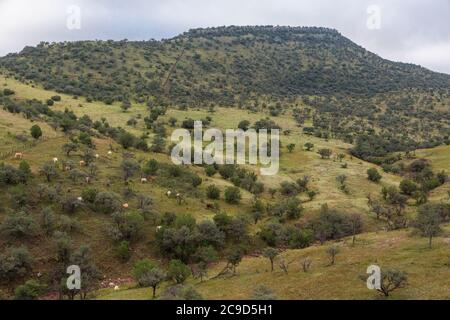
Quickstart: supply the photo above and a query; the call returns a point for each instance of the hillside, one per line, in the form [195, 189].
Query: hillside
[86, 176]
[344, 90]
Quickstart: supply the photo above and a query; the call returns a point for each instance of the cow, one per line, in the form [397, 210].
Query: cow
[144, 180]
[110, 152]
[97, 156]
[55, 160]
[158, 228]
[125, 206]
[18, 155]
[82, 163]
[88, 180]
[169, 193]
[80, 199]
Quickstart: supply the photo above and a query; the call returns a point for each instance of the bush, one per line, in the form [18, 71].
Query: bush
[233, 195]
[28, 291]
[196, 181]
[16, 264]
[408, 187]
[123, 251]
[36, 132]
[178, 271]
[213, 192]
[210, 170]
[19, 225]
[373, 175]
[107, 202]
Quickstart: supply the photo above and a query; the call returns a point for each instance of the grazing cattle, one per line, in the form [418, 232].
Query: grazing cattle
[110, 152]
[80, 199]
[97, 156]
[18, 155]
[116, 288]
[169, 193]
[158, 228]
[55, 160]
[82, 163]
[67, 168]
[125, 206]
[144, 180]
[88, 180]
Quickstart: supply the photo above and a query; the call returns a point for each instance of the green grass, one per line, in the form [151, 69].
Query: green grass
[428, 271]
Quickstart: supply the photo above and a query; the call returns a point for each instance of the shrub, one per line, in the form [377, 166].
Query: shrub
[107, 202]
[213, 192]
[36, 132]
[16, 264]
[178, 271]
[373, 175]
[233, 195]
[123, 251]
[19, 225]
[28, 291]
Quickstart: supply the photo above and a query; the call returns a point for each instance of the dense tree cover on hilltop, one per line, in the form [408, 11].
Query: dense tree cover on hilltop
[349, 92]
[219, 65]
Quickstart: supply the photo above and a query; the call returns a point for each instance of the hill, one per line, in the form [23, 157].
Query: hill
[344, 90]
[350, 165]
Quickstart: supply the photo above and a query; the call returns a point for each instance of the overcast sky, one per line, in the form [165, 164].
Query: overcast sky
[416, 31]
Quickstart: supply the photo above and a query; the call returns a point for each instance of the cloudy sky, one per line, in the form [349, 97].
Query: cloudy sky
[416, 31]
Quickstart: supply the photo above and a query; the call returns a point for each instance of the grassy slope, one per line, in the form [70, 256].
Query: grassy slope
[428, 272]
[293, 166]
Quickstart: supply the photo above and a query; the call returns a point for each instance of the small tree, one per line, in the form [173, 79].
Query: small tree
[332, 252]
[36, 132]
[213, 192]
[178, 271]
[49, 171]
[373, 175]
[129, 168]
[233, 195]
[70, 147]
[309, 146]
[356, 224]
[325, 153]
[271, 254]
[234, 259]
[291, 147]
[428, 222]
[29, 291]
[392, 280]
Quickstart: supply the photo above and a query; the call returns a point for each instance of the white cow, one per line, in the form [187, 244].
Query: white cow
[80, 199]
[18, 155]
[116, 288]
[158, 228]
[144, 180]
[97, 156]
[55, 160]
[169, 193]
[109, 152]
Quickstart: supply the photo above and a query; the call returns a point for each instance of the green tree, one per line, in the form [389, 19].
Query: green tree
[178, 271]
[29, 291]
[233, 195]
[428, 221]
[271, 254]
[213, 192]
[373, 175]
[36, 132]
